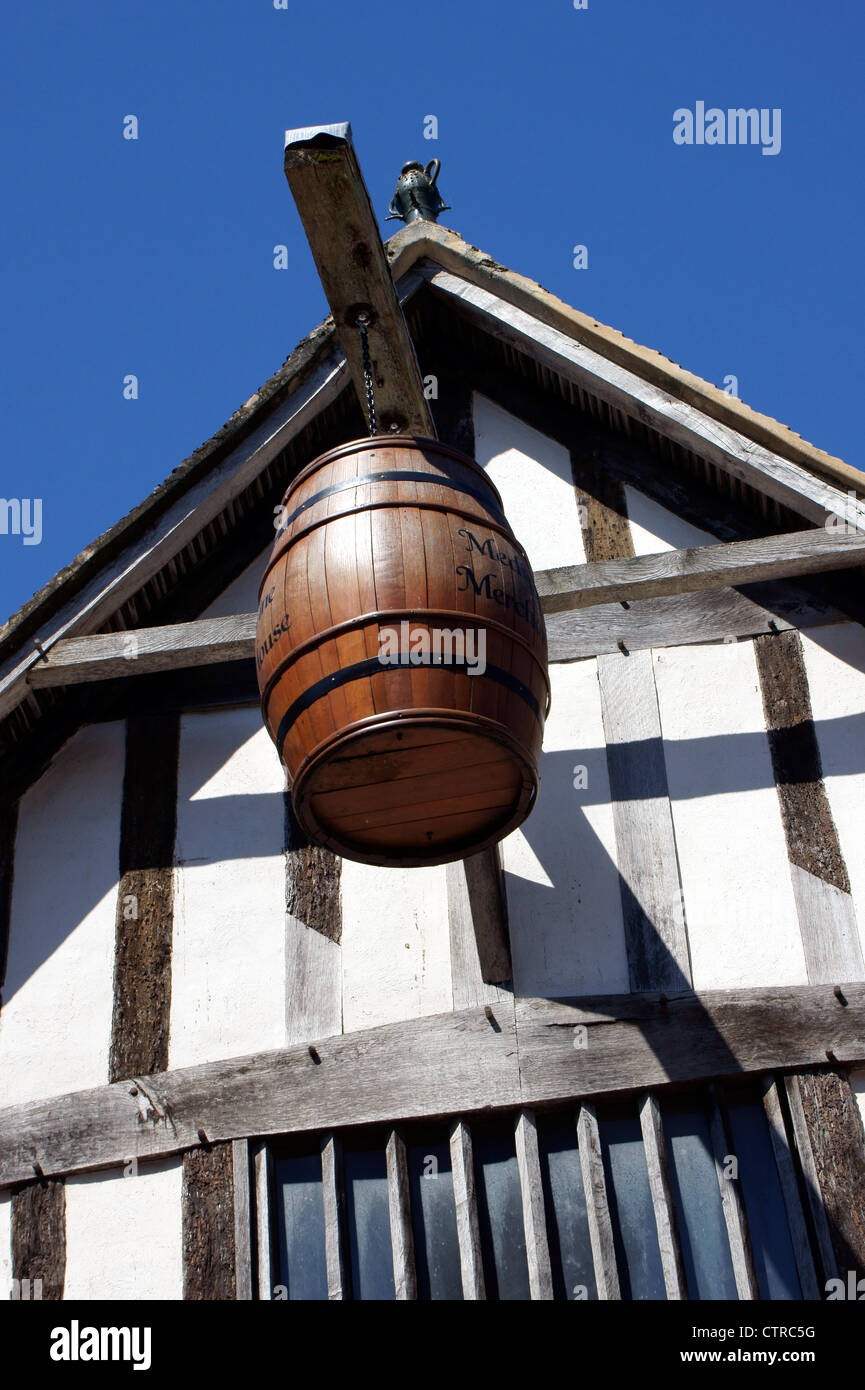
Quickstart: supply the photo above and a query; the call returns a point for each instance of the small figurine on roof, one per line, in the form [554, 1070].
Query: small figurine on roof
[416, 198]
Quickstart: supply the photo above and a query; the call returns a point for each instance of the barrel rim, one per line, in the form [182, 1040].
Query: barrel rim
[379, 440]
[434, 719]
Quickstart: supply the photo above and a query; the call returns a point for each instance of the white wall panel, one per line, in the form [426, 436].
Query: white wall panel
[835, 664]
[395, 944]
[564, 900]
[857, 1079]
[533, 475]
[124, 1235]
[739, 906]
[654, 528]
[55, 1026]
[228, 969]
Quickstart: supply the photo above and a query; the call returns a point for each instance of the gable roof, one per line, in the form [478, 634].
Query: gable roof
[97, 590]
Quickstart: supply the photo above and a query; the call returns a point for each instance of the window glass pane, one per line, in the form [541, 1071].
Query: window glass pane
[774, 1260]
[368, 1221]
[300, 1221]
[434, 1222]
[500, 1212]
[630, 1200]
[702, 1230]
[567, 1222]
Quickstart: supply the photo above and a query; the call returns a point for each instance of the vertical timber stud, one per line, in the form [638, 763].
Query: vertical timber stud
[479, 946]
[731, 1201]
[466, 1202]
[328, 187]
[333, 1193]
[823, 1108]
[833, 1165]
[662, 1197]
[789, 1188]
[821, 885]
[652, 906]
[399, 1207]
[264, 1224]
[597, 1206]
[534, 1217]
[209, 1266]
[313, 934]
[142, 957]
[240, 1157]
[39, 1239]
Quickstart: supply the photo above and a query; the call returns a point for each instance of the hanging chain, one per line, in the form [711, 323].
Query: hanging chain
[363, 322]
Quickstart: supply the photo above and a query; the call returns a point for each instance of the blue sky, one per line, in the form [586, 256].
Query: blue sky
[155, 256]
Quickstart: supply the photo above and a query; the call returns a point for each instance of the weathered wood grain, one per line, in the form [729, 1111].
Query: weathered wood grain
[480, 949]
[145, 898]
[789, 483]
[597, 1206]
[469, 1061]
[466, 1203]
[821, 884]
[835, 1154]
[240, 1171]
[699, 567]
[333, 1193]
[669, 1244]
[731, 1201]
[264, 1222]
[534, 1217]
[711, 616]
[209, 1266]
[640, 1040]
[39, 1238]
[313, 971]
[328, 187]
[652, 902]
[789, 1188]
[808, 1163]
[399, 1208]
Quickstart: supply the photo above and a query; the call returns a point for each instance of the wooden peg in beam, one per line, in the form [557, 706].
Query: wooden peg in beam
[328, 187]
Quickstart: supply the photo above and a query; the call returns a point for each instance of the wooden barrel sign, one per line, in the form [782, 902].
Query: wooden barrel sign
[401, 655]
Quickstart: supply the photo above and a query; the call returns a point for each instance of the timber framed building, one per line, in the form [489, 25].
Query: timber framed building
[621, 1057]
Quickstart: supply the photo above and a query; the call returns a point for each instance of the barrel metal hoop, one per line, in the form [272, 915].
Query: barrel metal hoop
[446, 507]
[385, 616]
[372, 666]
[394, 476]
[400, 442]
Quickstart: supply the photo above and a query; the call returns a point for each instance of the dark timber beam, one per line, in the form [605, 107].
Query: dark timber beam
[73, 660]
[328, 187]
[478, 1059]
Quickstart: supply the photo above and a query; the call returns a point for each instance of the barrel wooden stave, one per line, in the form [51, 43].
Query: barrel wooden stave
[354, 559]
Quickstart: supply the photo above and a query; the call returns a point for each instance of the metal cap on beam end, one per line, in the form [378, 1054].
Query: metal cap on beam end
[318, 136]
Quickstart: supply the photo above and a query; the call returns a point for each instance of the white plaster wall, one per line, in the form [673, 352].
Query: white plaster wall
[395, 944]
[124, 1235]
[55, 1026]
[835, 663]
[564, 901]
[533, 475]
[654, 528]
[741, 915]
[5, 1246]
[242, 595]
[228, 968]
[857, 1079]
